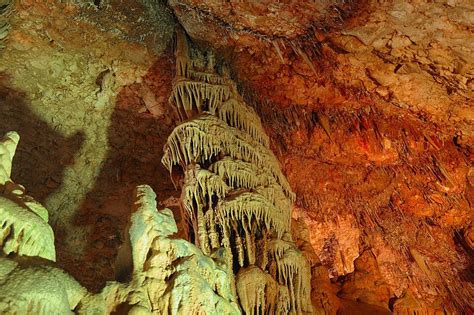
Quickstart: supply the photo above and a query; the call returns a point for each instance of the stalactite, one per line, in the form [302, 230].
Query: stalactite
[290, 269]
[23, 222]
[182, 54]
[234, 193]
[239, 246]
[202, 138]
[237, 114]
[252, 206]
[201, 184]
[213, 234]
[274, 194]
[207, 77]
[238, 173]
[278, 51]
[190, 95]
[23, 232]
[301, 53]
[249, 241]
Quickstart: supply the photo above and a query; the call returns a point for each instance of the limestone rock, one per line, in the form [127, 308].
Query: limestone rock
[366, 284]
[24, 227]
[233, 191]
[32, 285]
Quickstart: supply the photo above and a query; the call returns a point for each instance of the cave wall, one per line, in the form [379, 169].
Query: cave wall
[84, 87]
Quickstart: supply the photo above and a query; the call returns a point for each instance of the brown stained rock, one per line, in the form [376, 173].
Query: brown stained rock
[366, 284]
[336, 244]
[323, 292]
[261, 18]
[388, 204]
[408, 304]
[469, 236]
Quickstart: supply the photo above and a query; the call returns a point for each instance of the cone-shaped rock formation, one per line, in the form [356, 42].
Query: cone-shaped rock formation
[234, 194]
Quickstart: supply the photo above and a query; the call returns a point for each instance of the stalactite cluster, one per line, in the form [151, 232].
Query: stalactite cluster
[234, 194]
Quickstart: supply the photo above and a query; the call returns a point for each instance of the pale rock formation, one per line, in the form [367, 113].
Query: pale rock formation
[30, 283]
[233, 191]
[365, 284]
[168, 276]
[173, 273]
[7, 150]
[24, 225]
[34, 286]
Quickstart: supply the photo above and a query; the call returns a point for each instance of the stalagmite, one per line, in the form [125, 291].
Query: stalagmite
[179, 277]
[233, 191]
[24, 232]
[167, 275]
[258, 291]
[29, 282]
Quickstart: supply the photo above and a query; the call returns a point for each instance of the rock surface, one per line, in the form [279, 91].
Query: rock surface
[373, 120]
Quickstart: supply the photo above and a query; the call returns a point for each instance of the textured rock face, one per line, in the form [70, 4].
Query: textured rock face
[265, 19]
[165, 275]
[373, 119]
[417, 55]
[85, 89]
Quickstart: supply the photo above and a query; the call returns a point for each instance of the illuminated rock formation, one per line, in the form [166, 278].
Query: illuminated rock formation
[371, 119]
[24, 225]
[234, 194]
[29, 281]
[170, 276]
[167, 275]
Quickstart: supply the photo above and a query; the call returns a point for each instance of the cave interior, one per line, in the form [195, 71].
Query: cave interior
[236, 157]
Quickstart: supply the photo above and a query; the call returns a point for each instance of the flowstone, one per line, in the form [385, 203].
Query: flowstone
[166, 275]
[234, 195]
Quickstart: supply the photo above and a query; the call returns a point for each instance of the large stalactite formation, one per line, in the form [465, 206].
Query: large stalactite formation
[233, 192]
